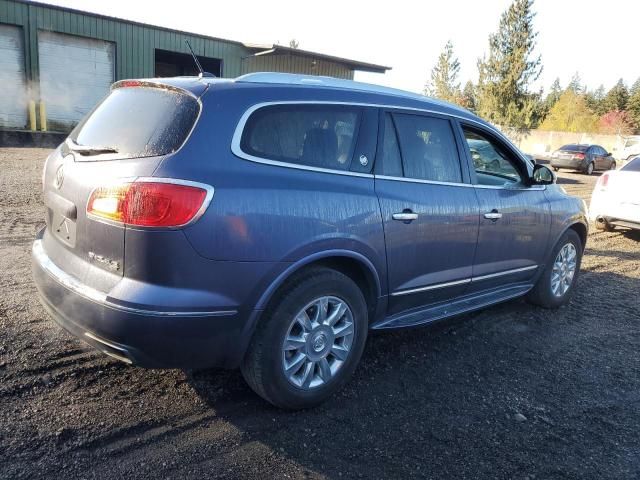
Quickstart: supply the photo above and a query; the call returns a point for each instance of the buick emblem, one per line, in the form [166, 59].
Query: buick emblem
[57, 182]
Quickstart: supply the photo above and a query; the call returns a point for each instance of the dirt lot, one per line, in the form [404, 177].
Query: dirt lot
[445, 401]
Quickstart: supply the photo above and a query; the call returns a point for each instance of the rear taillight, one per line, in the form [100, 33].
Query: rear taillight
[603, 181]
[149, 203]
[578, 156]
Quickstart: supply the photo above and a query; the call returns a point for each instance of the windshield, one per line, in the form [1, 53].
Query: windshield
[137, 122]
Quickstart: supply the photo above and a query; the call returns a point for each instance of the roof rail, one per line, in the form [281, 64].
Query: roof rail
[331, 82]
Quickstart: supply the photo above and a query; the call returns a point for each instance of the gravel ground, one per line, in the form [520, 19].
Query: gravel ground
[513, 391]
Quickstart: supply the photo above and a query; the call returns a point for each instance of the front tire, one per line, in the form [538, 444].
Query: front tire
[309, 343]
[556, 283]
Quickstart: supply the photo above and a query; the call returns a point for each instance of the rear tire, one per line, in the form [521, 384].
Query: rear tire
[589, 169]
[554, 287]
[286, 337]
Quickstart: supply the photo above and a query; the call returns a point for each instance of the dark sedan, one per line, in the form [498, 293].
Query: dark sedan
[582, 157]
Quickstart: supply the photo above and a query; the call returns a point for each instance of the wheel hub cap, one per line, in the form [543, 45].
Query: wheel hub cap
[564, 269]
[317, 342]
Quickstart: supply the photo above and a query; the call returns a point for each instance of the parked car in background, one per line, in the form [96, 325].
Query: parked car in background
[269, 222]
[615, 201]
[630, 149]
[583, 158]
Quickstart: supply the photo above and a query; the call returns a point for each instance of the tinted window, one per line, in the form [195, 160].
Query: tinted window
[428, 148]
[492, 165]
[574, 148]
[632, 166]
[391, 161]
[313, 135]
[139, 122]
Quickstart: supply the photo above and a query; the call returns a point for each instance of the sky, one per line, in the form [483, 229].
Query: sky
[599, 40]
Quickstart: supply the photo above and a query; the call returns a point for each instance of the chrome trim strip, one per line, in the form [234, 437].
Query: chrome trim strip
[429, 182]
[99, 297]
[237, 136]
[463, 281]
[431, 287]
[110, 345]
[506, 272]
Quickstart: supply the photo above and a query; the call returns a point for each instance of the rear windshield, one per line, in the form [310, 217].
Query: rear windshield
[139, 122]
[632, 166]
[574, 148]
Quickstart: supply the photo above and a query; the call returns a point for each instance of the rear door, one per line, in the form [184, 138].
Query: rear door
[124, 137]
[429, 210]
[515, 218]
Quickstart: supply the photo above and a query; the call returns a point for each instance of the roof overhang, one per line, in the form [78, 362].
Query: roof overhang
[266, 49]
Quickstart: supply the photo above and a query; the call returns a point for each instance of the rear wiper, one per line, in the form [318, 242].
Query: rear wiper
[88, 149]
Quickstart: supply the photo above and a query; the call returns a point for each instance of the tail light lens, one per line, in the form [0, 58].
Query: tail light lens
[603, 181]
[148, 203]
[578, 156]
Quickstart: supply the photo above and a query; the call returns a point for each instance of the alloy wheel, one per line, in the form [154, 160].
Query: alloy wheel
[318, 342]
[564, 269]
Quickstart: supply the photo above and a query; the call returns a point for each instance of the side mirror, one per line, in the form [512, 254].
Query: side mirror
[608, 154]
[542, 175]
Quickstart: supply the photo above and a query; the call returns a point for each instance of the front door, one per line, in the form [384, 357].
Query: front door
[429, 210]
[515, 218]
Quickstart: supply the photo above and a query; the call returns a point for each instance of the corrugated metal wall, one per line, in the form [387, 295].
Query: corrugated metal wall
[135, 45]
[295, 64]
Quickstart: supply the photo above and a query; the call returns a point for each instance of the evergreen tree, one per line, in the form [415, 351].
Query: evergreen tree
[443, 83]
[617, 97]
[575, 85]
[595, 101]
[554, 94]
[468, 99]
[633, 105]
[509, 70]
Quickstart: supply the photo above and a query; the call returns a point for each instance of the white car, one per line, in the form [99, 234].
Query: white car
[615, 201]
[629, 150]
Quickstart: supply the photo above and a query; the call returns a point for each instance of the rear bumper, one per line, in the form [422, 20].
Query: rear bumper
[572, 164]
[141, 336]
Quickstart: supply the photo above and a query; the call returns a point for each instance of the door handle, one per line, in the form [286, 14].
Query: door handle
[406, 216]
[493, 215]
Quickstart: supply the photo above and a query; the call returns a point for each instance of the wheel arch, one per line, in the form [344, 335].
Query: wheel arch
[354, 265]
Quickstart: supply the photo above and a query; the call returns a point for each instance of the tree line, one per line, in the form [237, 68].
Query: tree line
[503, 92]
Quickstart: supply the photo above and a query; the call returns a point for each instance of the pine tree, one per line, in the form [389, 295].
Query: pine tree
[595, 100]
[617, 97]
[633, 105]
[443, 83]
[468, 99]
[575, 85]
[505, 76]
[554, 94]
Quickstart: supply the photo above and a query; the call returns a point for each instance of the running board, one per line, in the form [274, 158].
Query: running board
[453, 307]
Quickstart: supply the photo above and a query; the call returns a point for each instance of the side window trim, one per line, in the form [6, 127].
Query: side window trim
[464, 171]
[236, 141]
[521, 167]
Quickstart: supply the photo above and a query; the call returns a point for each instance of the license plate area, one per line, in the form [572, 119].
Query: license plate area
[64, 229]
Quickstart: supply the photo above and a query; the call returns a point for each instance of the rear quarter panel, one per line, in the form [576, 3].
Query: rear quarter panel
[267, 213]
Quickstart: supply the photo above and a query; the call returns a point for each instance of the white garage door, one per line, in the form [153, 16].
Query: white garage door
[75, 74]
[13, 91]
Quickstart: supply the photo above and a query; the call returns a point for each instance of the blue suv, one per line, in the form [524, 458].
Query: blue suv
[269, 222]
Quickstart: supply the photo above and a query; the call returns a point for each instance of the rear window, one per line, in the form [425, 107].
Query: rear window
[312, 135]
[574, 148]
[632, 166]
[139, 122]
